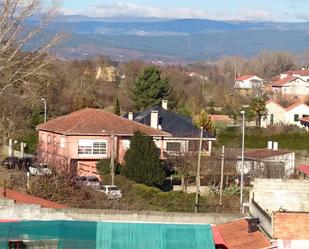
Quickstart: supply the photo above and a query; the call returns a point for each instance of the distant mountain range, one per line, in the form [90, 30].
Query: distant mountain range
[181, 40]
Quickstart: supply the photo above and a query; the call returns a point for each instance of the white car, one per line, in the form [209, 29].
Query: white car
[111, 191]
[39, 170]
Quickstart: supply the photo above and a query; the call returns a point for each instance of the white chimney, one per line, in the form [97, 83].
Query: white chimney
[164, 104]
[130, 116]
[275, 146]
[154, 119]
[270, 145]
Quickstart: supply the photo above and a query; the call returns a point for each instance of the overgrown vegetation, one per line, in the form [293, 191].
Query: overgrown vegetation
[288, 137]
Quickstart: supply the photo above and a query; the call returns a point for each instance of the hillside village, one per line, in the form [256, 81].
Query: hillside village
[105, 154]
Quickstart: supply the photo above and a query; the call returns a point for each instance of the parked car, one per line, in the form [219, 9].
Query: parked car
[91, 181]
[10, 162]
[111, 191]
[24, 163]
[39, 170]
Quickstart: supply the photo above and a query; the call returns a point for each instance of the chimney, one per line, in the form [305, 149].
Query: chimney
[154, 119]
[275, 146]
[130, 116]
[164, 104]
[270, 145]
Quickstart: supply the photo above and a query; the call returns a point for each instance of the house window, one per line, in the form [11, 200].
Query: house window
[271, 119]
[126, 144]
[305, 115]
[296, 117]
[62, 142]
[92, 147]
[48, 139]
[173, 146]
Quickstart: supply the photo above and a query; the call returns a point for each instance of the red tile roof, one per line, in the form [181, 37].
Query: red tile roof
[221, 118]
[304, 169]
[219, 241]
[244, 77]
[281, 82]
[306, 119]
[298, 72]
[20, 197]
[91, 121]
[298, 103]
[264, 153]
[290, 107]
[236, 236]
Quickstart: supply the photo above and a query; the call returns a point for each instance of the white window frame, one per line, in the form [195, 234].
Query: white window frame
[89, 147]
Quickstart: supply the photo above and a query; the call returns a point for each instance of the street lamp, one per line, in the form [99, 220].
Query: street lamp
[242, 161]
[45, 109]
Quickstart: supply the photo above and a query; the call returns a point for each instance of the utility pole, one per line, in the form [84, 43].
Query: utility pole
[221, 180]
[242, 162]
[198, 174]
[112, 160]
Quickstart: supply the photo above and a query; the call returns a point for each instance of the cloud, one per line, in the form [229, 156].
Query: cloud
[122, 9]
[255, 14]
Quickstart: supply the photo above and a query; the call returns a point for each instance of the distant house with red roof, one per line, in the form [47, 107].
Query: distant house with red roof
[291, 115]
[270, 162]
[247, 83]
[82, 138]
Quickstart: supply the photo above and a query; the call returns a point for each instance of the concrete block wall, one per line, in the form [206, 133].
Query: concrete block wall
[291, 226]
[275, 194]
[11, 211]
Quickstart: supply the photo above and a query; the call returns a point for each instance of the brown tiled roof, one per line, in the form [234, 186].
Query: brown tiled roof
[91, 121]
[221, 118]
[283, 81]
[20, 197]
[304, 120]
[244, 77]
[236, 236]
[264, 153]
[298, 72]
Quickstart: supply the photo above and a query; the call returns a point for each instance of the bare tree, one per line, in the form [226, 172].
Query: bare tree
[20, 69]
[23, 73]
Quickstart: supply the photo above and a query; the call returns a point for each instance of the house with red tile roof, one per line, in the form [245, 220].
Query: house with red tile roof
[83, 137]
[270, 162]
[279, 115]
[248, 83]
[292, 86]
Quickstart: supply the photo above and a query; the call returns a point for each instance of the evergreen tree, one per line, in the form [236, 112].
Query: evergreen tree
[116, 109]
[142, 161]
[150, 89]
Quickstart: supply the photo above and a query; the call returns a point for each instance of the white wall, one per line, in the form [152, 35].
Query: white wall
[247, 84]
[297, 87]
[278, 114]
[284, 116]
[301, 110]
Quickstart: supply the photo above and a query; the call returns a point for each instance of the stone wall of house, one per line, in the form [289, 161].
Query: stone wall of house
[291, 226]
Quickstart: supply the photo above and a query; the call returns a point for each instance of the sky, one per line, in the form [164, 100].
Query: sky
[258, 10]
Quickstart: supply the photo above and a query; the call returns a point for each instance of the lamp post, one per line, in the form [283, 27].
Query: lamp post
[45, 109]
[242, 161]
